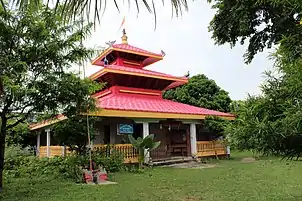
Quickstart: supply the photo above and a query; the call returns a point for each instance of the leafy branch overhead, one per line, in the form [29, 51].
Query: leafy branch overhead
[70, 9]
[262, 24]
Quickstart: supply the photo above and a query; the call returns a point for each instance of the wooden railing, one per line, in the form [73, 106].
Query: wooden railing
[43, 151]
[54, 151]
[204, 148]
[127, 150]
[210, 148]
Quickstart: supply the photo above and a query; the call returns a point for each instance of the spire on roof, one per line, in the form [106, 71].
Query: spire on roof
[124, 37]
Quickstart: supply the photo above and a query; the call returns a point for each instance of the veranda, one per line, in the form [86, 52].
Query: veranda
[179, 138]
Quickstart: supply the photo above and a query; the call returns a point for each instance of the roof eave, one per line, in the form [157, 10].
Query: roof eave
[111, 49]
[131, 114]
[160, 115]
[175, 84]
[102, 55]
[47, 122]
[151, 55]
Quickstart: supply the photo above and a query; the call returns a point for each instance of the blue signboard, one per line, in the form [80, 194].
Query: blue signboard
[126, 128]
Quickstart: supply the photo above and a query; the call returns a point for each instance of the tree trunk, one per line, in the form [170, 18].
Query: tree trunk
[2, 149]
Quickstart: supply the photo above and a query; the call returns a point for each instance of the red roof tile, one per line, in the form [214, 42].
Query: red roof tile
[128, 47]
[143, 103]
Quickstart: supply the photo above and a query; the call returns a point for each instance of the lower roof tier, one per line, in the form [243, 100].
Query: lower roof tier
[135, 105]
[120, 102]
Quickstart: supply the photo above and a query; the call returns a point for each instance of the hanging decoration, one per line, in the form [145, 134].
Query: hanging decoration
[106, 62]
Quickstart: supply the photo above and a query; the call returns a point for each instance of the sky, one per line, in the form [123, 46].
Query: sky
[187, 44]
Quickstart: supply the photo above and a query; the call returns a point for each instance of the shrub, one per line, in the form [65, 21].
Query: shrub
[56, 167]
[20, 163]
[14, 155]
[112, 162]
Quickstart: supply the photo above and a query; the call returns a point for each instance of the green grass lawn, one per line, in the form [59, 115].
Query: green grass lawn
[265, 179]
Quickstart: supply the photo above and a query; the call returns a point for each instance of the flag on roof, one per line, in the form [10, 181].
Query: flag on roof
[123, 22]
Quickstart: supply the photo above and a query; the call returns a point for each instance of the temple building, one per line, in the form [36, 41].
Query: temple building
[132, 103]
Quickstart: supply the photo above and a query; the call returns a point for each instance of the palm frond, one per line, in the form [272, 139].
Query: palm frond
[75, 8]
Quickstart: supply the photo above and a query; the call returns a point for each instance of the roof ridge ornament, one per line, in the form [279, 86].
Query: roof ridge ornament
[124, 37]
[110, 43]
[163, 54]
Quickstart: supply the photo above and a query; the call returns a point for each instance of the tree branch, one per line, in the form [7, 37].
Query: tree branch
[13, 116]
[20, 120]
[16, 123]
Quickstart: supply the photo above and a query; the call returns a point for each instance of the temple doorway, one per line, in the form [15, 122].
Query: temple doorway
[106, 134]
[179, 140]
[174, 137]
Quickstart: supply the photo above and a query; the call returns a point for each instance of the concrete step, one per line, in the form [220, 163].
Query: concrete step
[173, 160]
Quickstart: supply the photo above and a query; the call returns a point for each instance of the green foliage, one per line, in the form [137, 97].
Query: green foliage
[262, 23]
[266, 179]
[112, 161]
[37, 52]
[21, 163]
[72, 9]
[271, 123]
[143, 144]
[19, 135]
[201, 92]
[73, 133]
[17, 151]
[215, 125]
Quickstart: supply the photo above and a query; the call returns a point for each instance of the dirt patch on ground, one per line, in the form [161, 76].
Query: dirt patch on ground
[248, 160]
[193, 165]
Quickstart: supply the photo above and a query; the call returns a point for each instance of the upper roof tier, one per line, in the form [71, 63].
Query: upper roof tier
[126, 55]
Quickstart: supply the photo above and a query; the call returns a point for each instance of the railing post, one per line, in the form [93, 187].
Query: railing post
[193, 139]
[145, 134]
[38, 145]
[64, 151]
[48, 142]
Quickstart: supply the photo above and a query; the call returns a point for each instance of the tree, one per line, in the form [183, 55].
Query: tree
[36, 55]
[73, 133]
[201, 92]
[262, 23]
[143, 146]
[271, 123]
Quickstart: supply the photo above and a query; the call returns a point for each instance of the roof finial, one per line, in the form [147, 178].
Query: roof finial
[124, 37]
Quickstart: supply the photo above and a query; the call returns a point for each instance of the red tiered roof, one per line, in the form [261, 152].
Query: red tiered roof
[141, 98]
[150, 57]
